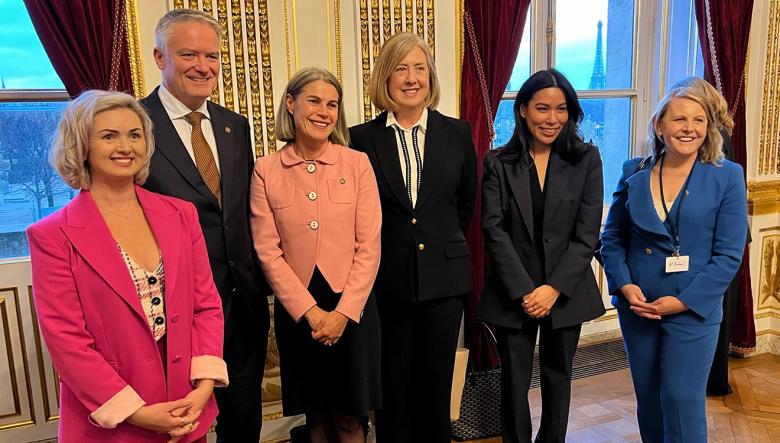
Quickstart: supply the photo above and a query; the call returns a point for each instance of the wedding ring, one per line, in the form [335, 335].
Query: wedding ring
[191, 425]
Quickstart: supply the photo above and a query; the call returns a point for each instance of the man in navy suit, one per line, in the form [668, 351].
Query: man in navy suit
[204, 155]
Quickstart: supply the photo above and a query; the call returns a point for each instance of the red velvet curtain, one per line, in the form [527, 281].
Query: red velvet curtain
[86, 41]
[724, 28]
[492, 31]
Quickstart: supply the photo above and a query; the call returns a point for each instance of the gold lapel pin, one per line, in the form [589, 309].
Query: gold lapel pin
[227, 129]
[342, 181]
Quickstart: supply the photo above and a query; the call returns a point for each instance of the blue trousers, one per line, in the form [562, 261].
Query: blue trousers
[669, 365]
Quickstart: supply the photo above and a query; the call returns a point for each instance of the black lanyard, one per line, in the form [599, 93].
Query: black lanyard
[674, 225]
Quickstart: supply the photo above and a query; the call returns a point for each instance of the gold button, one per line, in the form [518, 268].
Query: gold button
[414, 221]
[312, 196]
[421, 246]
[314, 224]
[311, 167]
[648, 251]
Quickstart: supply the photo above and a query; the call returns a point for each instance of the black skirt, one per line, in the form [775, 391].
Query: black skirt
[343, 378]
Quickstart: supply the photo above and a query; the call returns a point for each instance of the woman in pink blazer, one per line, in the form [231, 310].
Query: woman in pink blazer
[315, 222]
[123, 288]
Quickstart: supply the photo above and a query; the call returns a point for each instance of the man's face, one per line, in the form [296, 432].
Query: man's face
[190, 62]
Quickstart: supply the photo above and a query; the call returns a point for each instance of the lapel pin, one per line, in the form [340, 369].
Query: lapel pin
[686, 192]
[342, 181]
[227, 129]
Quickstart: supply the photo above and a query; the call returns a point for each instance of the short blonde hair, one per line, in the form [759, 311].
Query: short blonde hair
[391, 54]
[720, 108]
[285, 125]
[70, 145]
[711, 150]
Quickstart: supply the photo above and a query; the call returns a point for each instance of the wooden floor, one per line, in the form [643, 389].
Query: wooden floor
[603, 406]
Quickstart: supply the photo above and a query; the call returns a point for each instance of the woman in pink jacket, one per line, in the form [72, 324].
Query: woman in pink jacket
[123, 288]
[315, 222]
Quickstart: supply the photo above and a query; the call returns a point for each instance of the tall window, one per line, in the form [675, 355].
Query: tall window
[32, 98]
[610, 50]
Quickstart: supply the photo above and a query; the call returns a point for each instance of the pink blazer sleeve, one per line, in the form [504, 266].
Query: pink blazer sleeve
[92, 380]
[286, 285]
[208, 320]
[368, 224]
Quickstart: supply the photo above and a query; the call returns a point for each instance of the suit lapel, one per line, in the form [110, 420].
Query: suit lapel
[169, 144]
[89, 234]
[518, 178]
[434, 157]
[558, 175]
[388, 159]
[168, 233]
[640, 203]
[224, 134]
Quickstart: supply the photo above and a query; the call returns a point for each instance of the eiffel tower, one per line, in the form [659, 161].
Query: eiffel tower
[597, 79]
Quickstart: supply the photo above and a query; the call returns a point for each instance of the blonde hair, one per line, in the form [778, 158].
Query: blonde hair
[715, 100]
[70, 145]
[162, 32]
[711, 150]
[393, 51]
[285, 125]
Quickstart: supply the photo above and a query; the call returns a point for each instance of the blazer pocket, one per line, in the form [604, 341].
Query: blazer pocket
[341, 190]
[281, 194]
[455, 249]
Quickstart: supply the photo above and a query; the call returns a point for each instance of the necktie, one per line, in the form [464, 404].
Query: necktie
[204, 158]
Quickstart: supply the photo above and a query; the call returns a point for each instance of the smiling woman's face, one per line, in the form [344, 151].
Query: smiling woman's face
[545, 115]
[315, 111]
[117, 146]
[683, 127]
[409, 83]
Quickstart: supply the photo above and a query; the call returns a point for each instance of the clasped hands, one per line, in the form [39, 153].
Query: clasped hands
[539, 302]
[177, 418]
[666, 305]
[326, 327]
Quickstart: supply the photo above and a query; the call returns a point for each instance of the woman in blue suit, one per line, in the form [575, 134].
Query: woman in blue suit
[671, 244]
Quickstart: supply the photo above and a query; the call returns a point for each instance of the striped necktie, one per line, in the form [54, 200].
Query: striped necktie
[204, 158]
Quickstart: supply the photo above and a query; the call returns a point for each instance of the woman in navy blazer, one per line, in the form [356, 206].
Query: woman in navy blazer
[671, 244]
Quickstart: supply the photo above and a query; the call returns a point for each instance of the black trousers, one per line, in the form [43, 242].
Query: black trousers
[718, 381]
[556, 354]
[246, 342]
[418, 355]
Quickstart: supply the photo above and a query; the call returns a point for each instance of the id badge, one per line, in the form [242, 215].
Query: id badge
[677, 263]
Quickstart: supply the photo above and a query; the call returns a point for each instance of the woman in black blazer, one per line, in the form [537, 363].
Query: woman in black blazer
[425, 166]
[542, 198]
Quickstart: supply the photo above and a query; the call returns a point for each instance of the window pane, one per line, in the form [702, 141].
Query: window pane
[504, 123]
[23, 62]
[595, 42]
[683, 51]
[522, 68]
[29, 188]
[607, 124]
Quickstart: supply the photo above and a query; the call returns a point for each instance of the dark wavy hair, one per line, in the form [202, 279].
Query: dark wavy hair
[569, 144]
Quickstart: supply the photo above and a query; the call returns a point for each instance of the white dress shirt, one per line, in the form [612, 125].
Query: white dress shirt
[177, 111]
[410, 151]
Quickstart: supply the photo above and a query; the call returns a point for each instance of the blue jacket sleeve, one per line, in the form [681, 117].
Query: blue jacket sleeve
[727, 247]
[615, 236]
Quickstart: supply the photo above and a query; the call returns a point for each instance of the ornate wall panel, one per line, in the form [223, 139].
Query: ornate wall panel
[769, 141]
[245, 85]
[379, 20]
[769, 289]
[16, 401]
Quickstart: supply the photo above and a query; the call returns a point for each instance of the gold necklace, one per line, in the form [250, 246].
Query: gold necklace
[126, 217]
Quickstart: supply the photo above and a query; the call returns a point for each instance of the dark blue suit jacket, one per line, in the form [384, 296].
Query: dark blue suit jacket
[713, 225]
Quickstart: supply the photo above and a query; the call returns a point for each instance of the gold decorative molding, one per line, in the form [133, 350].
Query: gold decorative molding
[386, 26]
[295, 34]
[420, 19]
[769, 139]
[265, 63]
[431, 22]
[134, 48]
[254, 77]
[286, 18]
[408, 10]
[47, 409]
[767, 314]
[364, 53]
[238, 51]
[337, 27]
[208, 8]
[459, 53]
[763, 197]
[6, 324]
[227, 69]
[397, 17]
[375, 35]
[178, 4]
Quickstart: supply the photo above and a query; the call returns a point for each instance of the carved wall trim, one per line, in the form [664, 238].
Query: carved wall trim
[769, 139]
[134, 48]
